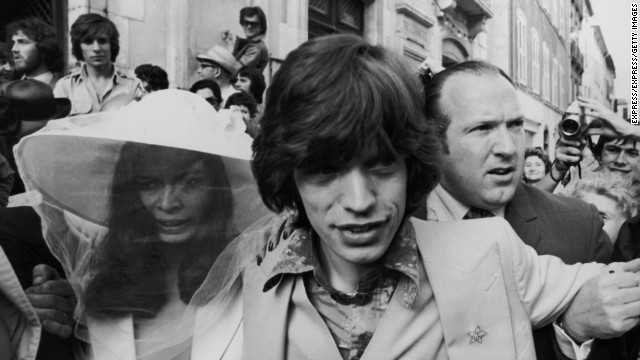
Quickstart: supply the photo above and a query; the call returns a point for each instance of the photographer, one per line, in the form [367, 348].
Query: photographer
[616, 151]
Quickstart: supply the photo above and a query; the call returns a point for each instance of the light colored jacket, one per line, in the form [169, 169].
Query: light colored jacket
[481, 275]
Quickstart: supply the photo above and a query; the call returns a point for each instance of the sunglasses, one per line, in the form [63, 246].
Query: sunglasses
[252, 24]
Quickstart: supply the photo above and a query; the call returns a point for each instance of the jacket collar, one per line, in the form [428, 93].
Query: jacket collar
[296, 254]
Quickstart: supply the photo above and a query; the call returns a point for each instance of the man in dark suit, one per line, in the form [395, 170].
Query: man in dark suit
[475, 109]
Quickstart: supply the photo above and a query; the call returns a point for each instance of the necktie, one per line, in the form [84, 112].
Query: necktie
[476, 213]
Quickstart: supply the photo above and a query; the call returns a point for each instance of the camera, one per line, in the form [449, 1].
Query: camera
[574, 123]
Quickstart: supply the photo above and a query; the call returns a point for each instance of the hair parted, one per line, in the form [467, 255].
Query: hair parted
[250, 11]
[433, 89]
[131, 264]
[44, 35]
[90, 26]
[332, 98]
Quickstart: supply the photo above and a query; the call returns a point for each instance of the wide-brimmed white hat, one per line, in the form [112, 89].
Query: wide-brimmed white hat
[222, 57]
[71, 161]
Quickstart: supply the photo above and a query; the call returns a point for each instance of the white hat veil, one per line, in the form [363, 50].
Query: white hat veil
[72, 164]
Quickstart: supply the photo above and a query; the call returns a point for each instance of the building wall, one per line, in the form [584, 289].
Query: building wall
[510, 32]
[597, 79]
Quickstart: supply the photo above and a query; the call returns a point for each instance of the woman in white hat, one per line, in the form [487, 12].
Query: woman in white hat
[138, 204]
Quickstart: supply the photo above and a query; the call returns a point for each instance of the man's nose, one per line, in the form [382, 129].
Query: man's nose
[358, 191]
[621, 158]
[504, 142]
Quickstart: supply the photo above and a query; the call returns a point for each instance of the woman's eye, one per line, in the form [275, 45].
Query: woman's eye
[194, 181]
[147, 184]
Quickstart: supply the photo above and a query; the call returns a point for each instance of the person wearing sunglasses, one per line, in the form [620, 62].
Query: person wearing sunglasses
[252, 51]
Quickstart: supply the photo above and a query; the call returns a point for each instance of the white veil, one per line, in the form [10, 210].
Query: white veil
[131, 303]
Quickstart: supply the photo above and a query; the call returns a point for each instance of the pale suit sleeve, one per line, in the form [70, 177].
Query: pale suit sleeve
[545, 284]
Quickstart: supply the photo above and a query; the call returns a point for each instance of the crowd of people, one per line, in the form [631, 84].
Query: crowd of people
[360, 210]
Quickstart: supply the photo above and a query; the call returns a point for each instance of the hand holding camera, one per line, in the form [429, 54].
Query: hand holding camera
[611, 124]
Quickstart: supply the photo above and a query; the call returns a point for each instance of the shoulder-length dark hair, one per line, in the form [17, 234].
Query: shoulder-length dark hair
[332, 98]
[258, 84]
[131, 275]
[45, 38]
[90, 26]
[255, 11]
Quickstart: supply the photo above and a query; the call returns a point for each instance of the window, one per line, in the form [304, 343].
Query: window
[333, 16]
[554, 83]
[535, 61]
[521, 46]
[561, 18]
[546, 73]
[563, 96]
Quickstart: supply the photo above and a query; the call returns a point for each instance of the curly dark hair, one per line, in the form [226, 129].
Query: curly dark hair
[211, 85]
[433, 89]
[332, 98]
[258, 84]
[242, 98]
[255, 11]
[91, 26]
[44, 35]
[131, 263]
[155, 77]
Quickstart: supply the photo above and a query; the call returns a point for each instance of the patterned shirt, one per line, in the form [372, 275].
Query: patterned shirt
[353, 318]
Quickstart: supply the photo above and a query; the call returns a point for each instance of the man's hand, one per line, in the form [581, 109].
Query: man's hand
[607, 306]
[53, 300]
[569, 152]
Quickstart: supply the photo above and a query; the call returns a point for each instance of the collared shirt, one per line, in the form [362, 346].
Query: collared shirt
[353, 318]
[442, 206]
[84, 97]
[46, 77]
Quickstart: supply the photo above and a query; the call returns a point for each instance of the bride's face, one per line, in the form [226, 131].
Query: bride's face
[177, 197]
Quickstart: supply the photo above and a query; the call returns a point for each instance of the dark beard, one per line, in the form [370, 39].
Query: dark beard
[31, 64]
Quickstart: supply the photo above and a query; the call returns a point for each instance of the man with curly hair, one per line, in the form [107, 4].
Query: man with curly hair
[35, 50]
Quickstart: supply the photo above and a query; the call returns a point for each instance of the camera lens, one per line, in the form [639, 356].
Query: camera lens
[570, 127]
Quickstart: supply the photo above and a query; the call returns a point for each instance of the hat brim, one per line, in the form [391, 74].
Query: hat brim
[48, 168]
[87, 147]
[220, 62]
[62, 109]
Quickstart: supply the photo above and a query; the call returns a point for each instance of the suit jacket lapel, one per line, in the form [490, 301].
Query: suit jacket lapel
[462, 262]
[282, 316]
[523, 217]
